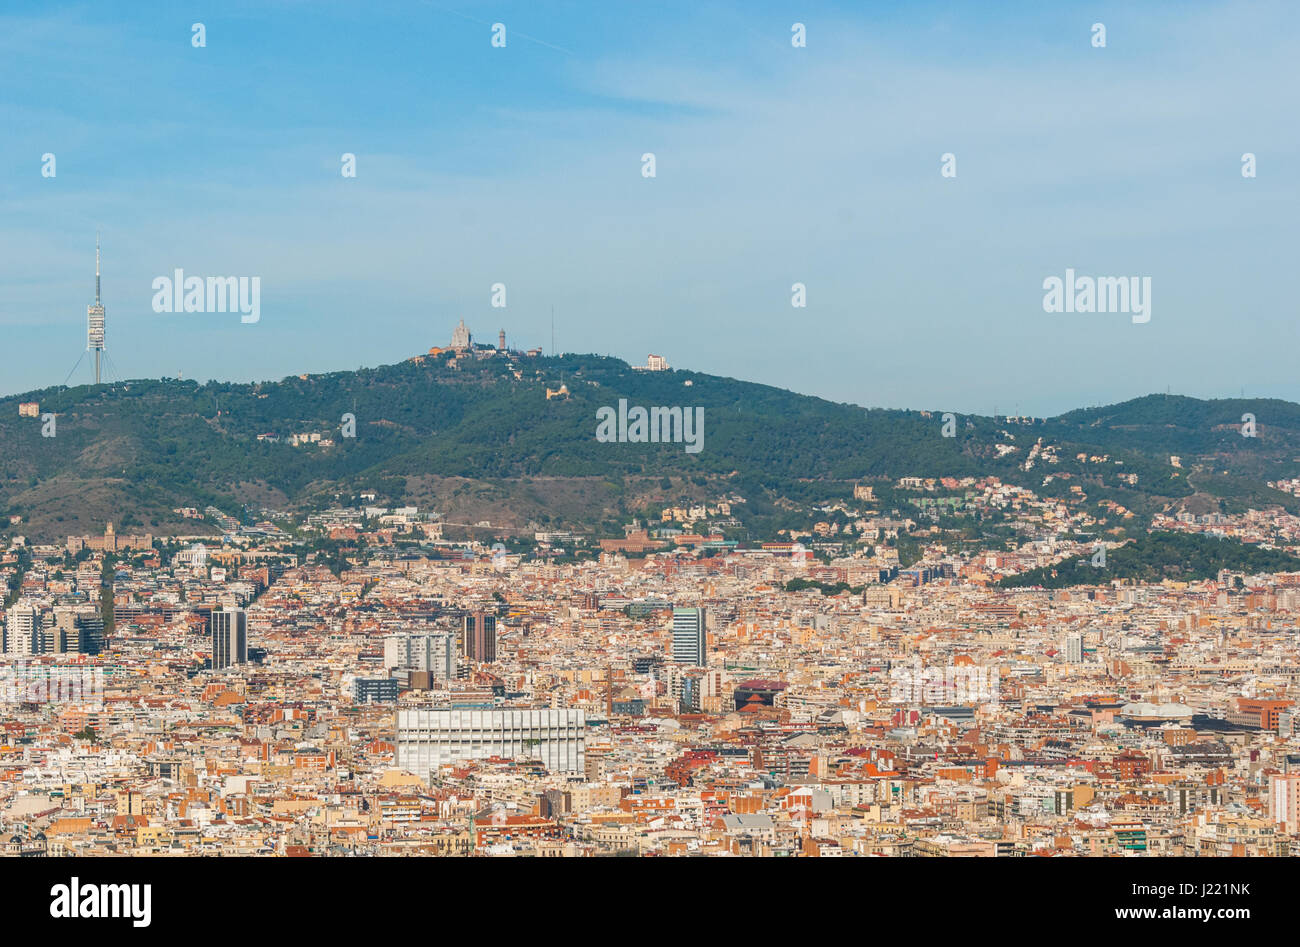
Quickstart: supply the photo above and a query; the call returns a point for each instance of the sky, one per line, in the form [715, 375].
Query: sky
[774, 165]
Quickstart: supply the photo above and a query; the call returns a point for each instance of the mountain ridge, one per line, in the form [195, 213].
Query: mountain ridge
[436, 428]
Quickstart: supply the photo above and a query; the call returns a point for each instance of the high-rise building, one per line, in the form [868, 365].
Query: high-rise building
[89, 625]
[229, 638]
[22, 624]
[1074, 649]
[426, 739]
[479, 638]
[74, 628]
[95, 319]
[684, 686]
[1284, 801]
[554, 803]
[61, 637]
[47, 637]
[690, 644]
[434, 652]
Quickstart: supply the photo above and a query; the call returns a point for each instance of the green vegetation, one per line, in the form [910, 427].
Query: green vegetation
[1158, 556]
[826, 588]
[24, 557]
[133, 451]
[909, 551]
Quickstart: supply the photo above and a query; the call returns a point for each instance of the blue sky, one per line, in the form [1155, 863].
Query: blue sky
[775, 165]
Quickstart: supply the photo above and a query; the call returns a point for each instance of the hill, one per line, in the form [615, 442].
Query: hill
[480, 439]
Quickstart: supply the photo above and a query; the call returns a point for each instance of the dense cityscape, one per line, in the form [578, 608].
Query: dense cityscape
[370, 679]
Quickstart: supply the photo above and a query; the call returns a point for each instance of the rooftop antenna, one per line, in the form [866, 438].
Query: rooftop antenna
[552, 332]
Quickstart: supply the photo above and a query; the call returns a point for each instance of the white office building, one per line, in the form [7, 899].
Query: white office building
[1074, 649]
[21, 625]
[426, 739]
[422, 651]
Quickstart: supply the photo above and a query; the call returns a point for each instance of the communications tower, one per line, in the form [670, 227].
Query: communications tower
[95, 319]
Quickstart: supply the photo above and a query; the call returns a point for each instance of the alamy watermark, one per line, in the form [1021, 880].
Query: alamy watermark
[637, 425]
[953, 684]
[76, 900]
[25, 682]
[181, 293]
[1130, 294]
